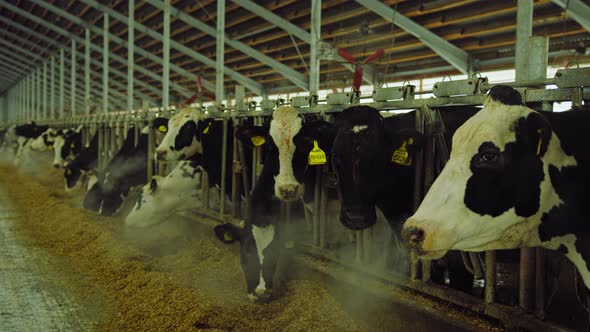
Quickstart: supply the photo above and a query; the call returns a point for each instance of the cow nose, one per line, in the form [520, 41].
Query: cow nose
[289, 191]
[56, 165]
[161, 155]
[414, 236]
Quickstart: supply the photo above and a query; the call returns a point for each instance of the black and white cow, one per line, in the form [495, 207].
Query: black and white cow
[67, 145]
[81, 169]
[515, 178]
[181, 140]
[45, 141]
[163, 196]
[127, 169]
[368, 176]
[287, 175]
[25, 134]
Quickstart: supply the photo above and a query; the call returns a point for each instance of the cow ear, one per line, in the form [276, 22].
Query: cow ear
[535, 131]
[251, 135]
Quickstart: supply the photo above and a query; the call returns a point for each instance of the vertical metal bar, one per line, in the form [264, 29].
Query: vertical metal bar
[220, 50]
[415, 263]
[87, 72]
[45, 106]
[527, 278]
[105, 64]
[73, 80]
[428, 155]
[38, 94]
[223, 167]
[131, 53]
[235, 185]
[52, 91]
[315, 37]
[245, 184]
[524, 29]
[166, 55]
[316, 206]
[359, 246]
[490, 276]
[62, 91]
[323, 207]
[540, 283]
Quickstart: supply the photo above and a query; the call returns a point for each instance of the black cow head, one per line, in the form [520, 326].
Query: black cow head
[363, 157]
[181, 140]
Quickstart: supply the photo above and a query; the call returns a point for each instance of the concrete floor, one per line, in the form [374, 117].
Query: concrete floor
[30, 297]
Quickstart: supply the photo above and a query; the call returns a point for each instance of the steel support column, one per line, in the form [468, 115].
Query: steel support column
[524, 29]
[130, 53]
[87, 72]
[52, 90]
[62, 62]
[314, 61]
[220, 49]
[166, 56]
[73, 80]
[105, 64]
[45, 92]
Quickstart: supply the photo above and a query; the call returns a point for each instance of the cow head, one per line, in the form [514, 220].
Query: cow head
[45, 141]
[496, 187]
[66, 146]
[72, 176]
[181, 140]
[361, 155]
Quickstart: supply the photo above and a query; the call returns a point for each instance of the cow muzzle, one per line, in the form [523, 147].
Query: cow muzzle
[358, 218]
[56, 165]
[290, 192]
[413, 237]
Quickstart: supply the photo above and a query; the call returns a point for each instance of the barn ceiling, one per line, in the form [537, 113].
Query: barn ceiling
[265, 56]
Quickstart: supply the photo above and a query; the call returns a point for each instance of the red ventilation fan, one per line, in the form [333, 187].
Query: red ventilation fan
[199, 93]
[358, 65]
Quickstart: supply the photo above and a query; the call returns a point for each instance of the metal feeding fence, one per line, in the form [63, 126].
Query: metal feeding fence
[315, 240]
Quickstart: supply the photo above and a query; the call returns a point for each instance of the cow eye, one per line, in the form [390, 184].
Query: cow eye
[489, 156]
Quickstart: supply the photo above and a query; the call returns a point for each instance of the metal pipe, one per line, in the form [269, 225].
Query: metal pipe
[150, 150]
[236, 170]
[45, 92]
[219, 52]
[62, 63]
[315, 37]
[245, 169]
[131, 52]
[540, 283]
[73, 80]
[490, 276]
[415, 265]
[323, 208]
[166, 55]
[223, 167]
[316, 206]
[87, 72]
[524, 29]
[105, 64]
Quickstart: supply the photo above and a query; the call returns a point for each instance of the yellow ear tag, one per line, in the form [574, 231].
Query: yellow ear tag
[258, 140]
[206, 130]
[317, 156]
[227, 236]
[540, 132]
[72, 146]
[162, 129]
[401, 155]
[69, 171]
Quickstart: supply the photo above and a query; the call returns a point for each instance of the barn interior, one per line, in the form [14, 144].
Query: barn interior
[115, 74]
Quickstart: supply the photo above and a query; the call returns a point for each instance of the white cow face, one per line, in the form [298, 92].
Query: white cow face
[163, 196]
[58, 144]
[285, 124]
[45, 141]
[181, 141]
[496, 186]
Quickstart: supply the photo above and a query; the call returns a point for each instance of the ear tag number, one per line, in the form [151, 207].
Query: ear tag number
[258, 140]
[227, 237]
[162, 129]
[540, 132]
[206, 130]
[401, 155]
[317, 156]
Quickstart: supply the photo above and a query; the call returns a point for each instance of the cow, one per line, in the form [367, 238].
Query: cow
[82, 168]
[45, 141]
[66, 146]
[286, 174]
[369, 176]
[127, 169]
[181, 140]
[516, 178]
[25, 134]
[163, 196]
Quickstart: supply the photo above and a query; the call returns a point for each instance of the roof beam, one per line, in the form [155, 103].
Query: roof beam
[368, 73]
[292, 75]
[249, 83]
[578, 10]
[96, 48]
[81, 55]
[451, 53]
[78, 54]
